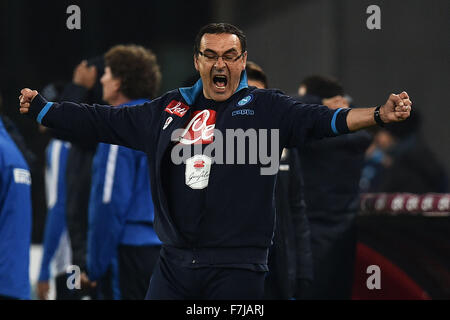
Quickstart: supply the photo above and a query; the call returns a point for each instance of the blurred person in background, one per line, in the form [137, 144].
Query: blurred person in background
[290, 260]
[15, 219]
[331, 170]
[57, 250]
[123, 248]
[399, 160]
[56, 245]
[84, 88]
[256, 76]
[18, 139]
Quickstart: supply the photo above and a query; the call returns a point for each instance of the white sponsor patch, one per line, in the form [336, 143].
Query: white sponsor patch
[197, 171]
[168, 121]
[22, 176]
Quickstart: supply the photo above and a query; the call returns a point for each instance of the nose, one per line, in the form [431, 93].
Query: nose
[219, 63]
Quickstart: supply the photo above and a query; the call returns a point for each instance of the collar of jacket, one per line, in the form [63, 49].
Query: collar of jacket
[191, 93]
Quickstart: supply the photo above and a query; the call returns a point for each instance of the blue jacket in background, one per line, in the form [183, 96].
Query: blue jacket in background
[15, 220]
[120, 206]
[55, 228]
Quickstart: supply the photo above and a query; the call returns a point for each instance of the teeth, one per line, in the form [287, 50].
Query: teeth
[220, 79]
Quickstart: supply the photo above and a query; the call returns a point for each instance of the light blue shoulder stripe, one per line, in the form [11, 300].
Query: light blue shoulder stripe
[44, 112]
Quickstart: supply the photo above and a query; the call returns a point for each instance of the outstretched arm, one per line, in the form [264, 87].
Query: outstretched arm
[126, 126]
[397, 108]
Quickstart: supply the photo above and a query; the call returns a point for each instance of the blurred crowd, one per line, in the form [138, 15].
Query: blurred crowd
[100, 210]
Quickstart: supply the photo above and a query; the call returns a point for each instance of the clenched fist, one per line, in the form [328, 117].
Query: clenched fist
[27, 95]
[397, 108]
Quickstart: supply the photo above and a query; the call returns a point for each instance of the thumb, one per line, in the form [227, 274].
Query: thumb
[396, 100]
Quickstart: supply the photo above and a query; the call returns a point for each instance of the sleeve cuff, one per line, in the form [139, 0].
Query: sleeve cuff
[339, 121]
[39, 108]
[44, 275]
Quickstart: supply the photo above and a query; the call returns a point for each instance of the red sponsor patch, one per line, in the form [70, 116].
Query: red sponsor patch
[176, 107]
[200, 128]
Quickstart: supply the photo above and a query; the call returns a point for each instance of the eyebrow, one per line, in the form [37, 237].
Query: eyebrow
[228, 51]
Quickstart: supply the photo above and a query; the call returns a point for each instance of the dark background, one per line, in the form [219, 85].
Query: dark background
[289, 39]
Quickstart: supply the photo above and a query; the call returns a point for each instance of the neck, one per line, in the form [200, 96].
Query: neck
[119, 100]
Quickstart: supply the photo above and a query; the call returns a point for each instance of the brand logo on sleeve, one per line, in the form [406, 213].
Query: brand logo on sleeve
[177, 108]
[22, 176]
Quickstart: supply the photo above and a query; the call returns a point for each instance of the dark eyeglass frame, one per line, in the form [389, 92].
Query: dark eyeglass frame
[216, 57]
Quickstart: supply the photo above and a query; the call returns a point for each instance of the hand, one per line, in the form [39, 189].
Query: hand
[85, 76]
[336, 102]
[397, 108]
[42, 290]
[27, 95]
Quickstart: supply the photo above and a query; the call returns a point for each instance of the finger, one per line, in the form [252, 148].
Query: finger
[23, 110]
[402, 109]
[395, 99]
[407, 102]
[27, 95]
[25, 91]
[404, 95]
[402, 115]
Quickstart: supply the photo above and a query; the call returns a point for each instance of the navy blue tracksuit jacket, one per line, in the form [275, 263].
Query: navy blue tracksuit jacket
[237, 219]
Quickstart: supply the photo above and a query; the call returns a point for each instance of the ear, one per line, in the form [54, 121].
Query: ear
[117, 84]
[196, 62]
[244, 60]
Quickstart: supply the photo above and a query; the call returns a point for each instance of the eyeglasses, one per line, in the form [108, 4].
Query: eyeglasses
[229, 57]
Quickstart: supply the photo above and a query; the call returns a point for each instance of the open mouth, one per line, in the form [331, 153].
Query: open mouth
[220, 82]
